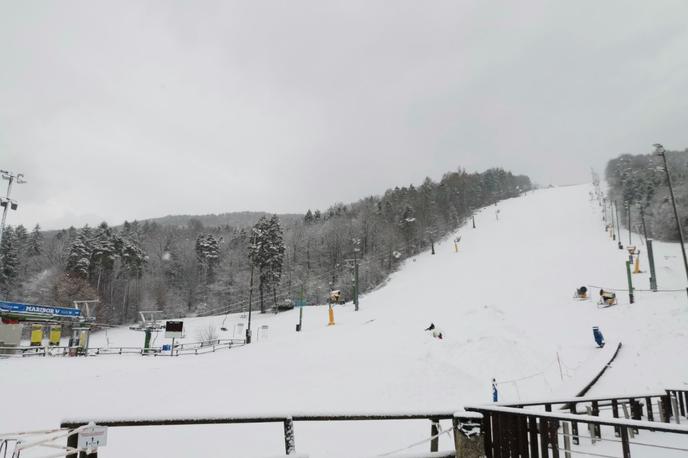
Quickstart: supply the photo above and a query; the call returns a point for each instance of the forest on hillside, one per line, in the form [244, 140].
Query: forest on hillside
[638, 183]
[197, 269]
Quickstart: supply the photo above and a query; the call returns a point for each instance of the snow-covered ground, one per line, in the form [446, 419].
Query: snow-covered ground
[504, 302]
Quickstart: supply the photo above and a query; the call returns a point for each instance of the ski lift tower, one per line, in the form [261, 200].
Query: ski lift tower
[149, 324]
[81, 332]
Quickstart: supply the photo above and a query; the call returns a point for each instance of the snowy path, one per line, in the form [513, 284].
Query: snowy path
[503, 302]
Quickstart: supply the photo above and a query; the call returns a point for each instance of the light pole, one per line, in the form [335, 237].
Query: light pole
[650, 253]
[250, 290]
[6, 202]
[628, 207]
[618, 225]
[357, 244]
[660, 151]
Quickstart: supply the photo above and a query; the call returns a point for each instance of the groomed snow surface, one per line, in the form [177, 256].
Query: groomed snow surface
[504, 303]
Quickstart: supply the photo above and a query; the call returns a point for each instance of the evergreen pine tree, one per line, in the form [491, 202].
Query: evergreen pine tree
[79, 257]
[266, 253]
[9, 261]
[34, 245]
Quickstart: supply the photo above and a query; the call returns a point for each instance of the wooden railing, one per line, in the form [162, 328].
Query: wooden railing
[518, 432]
[458, 420]
[526, 429]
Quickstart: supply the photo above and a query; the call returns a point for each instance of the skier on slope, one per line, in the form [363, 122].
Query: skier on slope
[436, 332]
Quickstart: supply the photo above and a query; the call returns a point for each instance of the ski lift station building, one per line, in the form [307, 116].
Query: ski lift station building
[42, 321]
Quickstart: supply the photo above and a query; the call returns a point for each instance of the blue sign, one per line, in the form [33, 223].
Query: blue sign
[42, 309]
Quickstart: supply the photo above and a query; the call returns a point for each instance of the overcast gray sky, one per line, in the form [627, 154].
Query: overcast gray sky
[133, 109]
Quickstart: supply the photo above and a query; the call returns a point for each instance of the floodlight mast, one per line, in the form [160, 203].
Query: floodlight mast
[660, 151]
[6, 202]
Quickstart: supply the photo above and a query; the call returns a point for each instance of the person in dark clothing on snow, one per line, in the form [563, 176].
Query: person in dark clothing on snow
[436, 332]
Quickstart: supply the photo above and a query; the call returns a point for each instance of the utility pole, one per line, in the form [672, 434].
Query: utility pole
[618, 225]
[628, 206]
[250, 301]
[611, 214]
[250, 293]
[356, 243]
[6, 202]
[659, 150]
[642, 220]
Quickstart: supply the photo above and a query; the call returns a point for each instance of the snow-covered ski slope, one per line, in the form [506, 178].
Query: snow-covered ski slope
[504, 303]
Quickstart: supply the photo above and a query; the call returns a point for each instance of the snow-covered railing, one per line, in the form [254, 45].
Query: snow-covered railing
[509, 431]
[459, 420]
[206, 346]
[195, 348]
[679, 400]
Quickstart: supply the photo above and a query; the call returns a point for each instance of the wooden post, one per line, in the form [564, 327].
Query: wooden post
[636, 412]
[532, 432]
[591, 427]
[457, 439]
[596, 412]
[615, 413]
[73, 442]
[289, 439]
[574, 425]
[626, 448]
[567, 441]
[522, 436]
[497, 435]
[674, 408]
[434, 431]
[666, 408]
[680, 395]
[626, 416]
[487, 434]
[544, 435]
[554, 437]
[650, 413]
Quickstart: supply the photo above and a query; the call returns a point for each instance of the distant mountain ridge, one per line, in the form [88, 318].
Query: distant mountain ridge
[235, 219]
